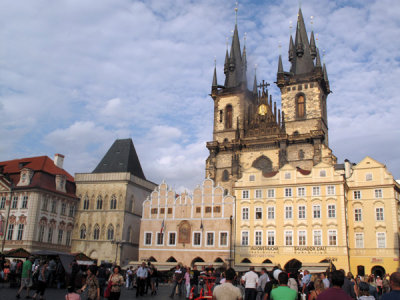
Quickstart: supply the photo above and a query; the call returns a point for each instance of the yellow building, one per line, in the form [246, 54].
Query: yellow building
[373, 218]
[187, 228]
[291, 214]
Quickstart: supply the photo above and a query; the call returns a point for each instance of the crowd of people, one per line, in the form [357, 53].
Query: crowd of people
[224, 284]
[280, 285]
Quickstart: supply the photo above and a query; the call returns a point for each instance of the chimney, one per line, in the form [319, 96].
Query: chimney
[347, 168]
[59, 160]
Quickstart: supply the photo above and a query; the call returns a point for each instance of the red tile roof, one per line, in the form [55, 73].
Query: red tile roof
[38, 163]
[44, 173]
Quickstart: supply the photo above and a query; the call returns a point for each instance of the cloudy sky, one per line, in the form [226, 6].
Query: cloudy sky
[76, 75]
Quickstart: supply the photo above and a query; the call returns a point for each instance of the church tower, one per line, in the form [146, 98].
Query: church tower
[249, 129]
[304, 91]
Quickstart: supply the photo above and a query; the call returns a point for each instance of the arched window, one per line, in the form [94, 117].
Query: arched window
[99, 202]
[128, 234]
[130, 207]
[301, 108]
[113, 202]
[86, 203]
[301, 154]
[96, 232]
[225, 175]
[228, 116]
[83, 232]
[110, 232]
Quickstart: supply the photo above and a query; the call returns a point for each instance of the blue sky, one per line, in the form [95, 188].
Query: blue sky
[76, 75]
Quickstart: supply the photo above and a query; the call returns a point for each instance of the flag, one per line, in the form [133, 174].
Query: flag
[162, 226]
[201, 225]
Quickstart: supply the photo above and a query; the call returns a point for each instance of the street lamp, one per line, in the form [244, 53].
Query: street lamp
[118, 243]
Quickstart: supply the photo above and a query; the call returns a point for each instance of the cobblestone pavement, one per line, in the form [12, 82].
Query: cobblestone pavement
[7, 293]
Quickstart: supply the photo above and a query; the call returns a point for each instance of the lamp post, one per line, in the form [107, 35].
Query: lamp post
[118, 243]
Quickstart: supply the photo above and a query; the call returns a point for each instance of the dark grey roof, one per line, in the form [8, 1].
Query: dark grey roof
[302, 60]
[339, 167]
[121, 157]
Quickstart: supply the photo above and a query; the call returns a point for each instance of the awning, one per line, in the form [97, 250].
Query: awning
[65, 258]
[242, 267]
[17, 253]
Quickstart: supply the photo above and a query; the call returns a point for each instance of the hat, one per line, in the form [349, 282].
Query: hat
[363, 286]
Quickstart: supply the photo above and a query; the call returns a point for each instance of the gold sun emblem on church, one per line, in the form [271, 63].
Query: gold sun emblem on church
[262, 110]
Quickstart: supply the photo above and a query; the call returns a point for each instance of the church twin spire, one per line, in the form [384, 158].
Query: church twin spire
[304, 58]
[235, 66]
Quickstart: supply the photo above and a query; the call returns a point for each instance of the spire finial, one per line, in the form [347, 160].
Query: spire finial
[255, 69]
[290, 27]
[323, 55]
[245, 38]
[227, 43]
[215, 61]
[280, 47]
[312, 22]
[236, 12]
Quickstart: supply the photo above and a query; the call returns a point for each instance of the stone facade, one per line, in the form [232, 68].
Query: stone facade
[108, 218]
[187, 228]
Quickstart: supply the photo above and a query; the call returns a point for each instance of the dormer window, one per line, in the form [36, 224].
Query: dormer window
[60, 183]
[25, 178]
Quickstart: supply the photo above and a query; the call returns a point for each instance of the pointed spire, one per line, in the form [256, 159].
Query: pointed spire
[299, 43]
[291, 48]
[280, 65]
[313, 48]
[226, 64]
[318, 60]
[255, 81]
[244, 63]
[214, 82]
[325, 73]
[302, 61]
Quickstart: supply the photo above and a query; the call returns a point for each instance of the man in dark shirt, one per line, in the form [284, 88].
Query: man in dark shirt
[335, 292]
[195, 280]
[348, 286]
[395, 286]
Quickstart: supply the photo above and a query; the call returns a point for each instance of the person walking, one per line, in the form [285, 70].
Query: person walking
[227, 291]
[117, 281]
[26, 277]
[395, 286]
[42, 280]
[262, 281]
[178, 278]
[92, 283]
[363, 292]
[319, 287]
[141, 278]
[283, 292]
[335, 292]
[187, 282]
[250, 280]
